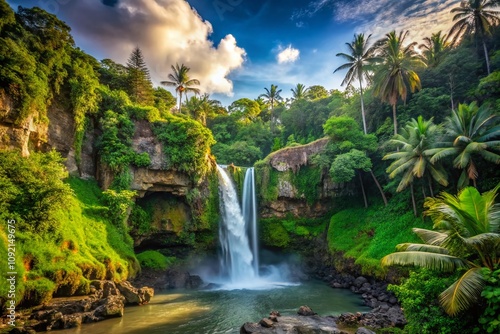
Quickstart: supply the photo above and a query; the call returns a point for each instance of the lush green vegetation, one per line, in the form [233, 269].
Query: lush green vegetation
[446, 99]
[290, 232]
[154, 260]
[63, 237]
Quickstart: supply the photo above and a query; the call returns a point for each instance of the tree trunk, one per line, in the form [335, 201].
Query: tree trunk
[430, 186]
[486, 57]
[363, 190]
[423, 190]
[413, 200]
[362, 105]
[180, 101]
[395, 119]
[379, 187]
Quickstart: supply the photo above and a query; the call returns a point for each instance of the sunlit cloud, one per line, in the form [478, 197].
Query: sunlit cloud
[167, 31]
[287, 55]
[378, 17]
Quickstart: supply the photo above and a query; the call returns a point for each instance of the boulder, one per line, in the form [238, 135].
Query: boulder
[110, 307]
[363, 330]
[265, 322]
[305, 311]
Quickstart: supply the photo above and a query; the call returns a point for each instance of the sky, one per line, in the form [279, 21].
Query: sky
[236, 48]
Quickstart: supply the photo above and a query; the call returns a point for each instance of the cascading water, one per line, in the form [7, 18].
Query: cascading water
[249, 205]
[236, 259]
[240, 261]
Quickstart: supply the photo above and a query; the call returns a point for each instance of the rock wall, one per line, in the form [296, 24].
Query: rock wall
[283, 193]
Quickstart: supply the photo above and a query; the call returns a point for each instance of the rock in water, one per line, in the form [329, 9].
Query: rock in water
[305, 311]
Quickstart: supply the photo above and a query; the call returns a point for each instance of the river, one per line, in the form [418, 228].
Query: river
[222, 311]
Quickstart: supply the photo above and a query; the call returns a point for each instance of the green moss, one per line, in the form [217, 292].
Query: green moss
[238, 176]
[291, 231]
[154, 260]
[38, 292]
[307, 181]
[273, 234]
[267, 180]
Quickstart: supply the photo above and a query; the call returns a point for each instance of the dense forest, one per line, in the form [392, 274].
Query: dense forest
[415, 136]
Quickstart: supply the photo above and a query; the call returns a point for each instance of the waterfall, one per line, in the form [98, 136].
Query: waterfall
[249, 205]
[236, 259]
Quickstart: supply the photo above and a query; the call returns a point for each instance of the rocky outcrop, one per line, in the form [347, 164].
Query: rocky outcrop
[155, 178]
[25, 135]
[105, 301]
[292, 158]
[301, 324]
[284, 195]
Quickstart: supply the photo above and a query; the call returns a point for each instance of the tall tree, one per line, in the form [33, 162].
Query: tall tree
[412, 159]
[465, 236]
[346, 136]
[299, 92]
[139, 82]
[360, 58]
[272, 96]
[471, 131]
[181, 81]
[396, 73]
[434, 48]
[475, 17]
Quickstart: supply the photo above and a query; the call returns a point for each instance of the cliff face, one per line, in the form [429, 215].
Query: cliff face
[173, 200]
[289, 184]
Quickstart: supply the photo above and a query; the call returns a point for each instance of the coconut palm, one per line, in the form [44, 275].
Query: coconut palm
[475, 17]
[466, 236]
[199, 108]
[271, 96]
[299, 92]
[412, 159]
[434, 48]
[396, 73]
[471, 132]
[181, 81]
[359, 61]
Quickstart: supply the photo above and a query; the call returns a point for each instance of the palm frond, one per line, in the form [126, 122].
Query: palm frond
[409, 247]
[464, 293]
[433, 261]
[430, 237]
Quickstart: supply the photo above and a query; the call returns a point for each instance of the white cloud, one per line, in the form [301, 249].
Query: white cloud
[288, 55]
[167, 31]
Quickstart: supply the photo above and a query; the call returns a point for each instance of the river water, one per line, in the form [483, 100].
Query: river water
[222, 311]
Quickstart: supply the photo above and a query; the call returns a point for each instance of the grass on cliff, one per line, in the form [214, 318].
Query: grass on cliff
[368, 234]
[60, 244]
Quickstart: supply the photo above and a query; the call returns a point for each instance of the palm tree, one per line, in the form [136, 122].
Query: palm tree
[475, 17]
[434, 48]
[359, 59]
[466, 236]
[299, 92]
[413, 160]
[181, 81]
[199, 108]
[271, 96]
[470, 131]
[397, 70]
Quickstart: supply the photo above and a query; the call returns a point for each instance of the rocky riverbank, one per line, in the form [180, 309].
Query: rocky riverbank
[107, 299]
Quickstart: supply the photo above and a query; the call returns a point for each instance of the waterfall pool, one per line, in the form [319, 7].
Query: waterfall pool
[222, 311]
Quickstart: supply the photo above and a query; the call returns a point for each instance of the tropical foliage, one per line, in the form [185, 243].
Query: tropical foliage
[465, 237]
[471, 132]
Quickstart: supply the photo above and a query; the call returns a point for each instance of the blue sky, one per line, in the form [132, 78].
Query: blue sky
[238, 47]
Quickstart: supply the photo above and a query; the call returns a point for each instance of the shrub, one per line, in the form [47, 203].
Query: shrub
[419, 299]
